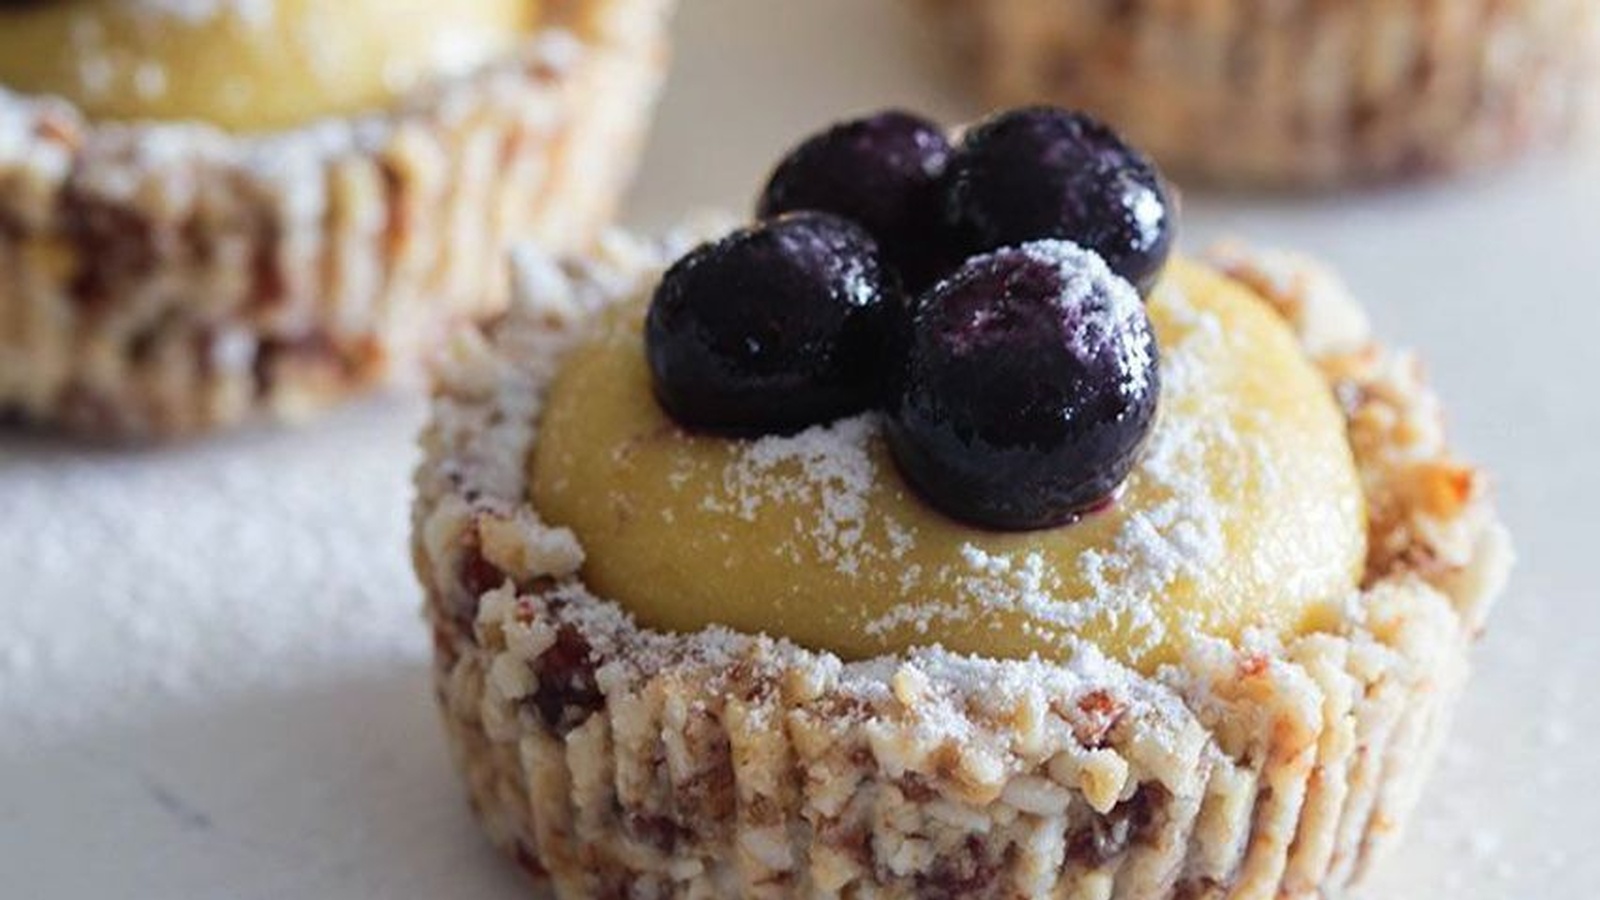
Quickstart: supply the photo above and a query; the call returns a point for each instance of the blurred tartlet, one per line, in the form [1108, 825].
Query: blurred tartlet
[223, 210]
[1301, 92]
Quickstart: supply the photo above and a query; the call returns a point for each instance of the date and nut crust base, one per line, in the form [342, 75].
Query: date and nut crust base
[610, 761]
[166, 279]
[1302, 92]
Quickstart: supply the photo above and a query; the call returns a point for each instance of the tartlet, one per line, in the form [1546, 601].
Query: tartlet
[716, 763]
[1298, 93]
[701, 659]
[166, 275]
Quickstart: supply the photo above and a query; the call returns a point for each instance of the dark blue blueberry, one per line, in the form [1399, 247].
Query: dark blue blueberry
[1029, 387]
[1048, 173]
[773, 328]
[884, 173]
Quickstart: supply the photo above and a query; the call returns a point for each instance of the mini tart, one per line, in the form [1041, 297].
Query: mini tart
[612, 760]
[167, 278]
[1296, 93]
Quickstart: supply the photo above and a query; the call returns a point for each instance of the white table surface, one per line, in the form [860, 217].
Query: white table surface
[213, 682]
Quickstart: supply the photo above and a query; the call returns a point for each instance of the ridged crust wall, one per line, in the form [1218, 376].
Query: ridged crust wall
[164, 279]
[1297, 92]
[612, 761]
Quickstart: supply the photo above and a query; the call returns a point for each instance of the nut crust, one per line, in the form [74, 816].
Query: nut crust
[1304, 92]
[159, 280]
[612, 761]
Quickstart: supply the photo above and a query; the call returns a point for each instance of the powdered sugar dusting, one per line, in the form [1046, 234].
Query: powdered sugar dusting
[1105, 305]
[252, 12]
[106, 60]
[828, 467]
[1179, 536]
[833, 483]
[104, 63]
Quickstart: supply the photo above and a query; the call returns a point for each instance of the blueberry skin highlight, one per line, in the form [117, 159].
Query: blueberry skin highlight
[773, 328]
[884, 172]
[1042, 172]
[1029, 388]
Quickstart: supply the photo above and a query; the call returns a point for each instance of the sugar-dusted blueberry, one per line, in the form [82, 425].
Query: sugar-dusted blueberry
[776, 327]
[883, 172]
[1028, 390]
[1041, 172]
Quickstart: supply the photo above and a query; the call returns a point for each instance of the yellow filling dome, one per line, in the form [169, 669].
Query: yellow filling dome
[248, 65]
[1245, 511]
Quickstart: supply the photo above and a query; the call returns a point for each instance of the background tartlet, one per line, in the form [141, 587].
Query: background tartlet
[1296, 93]
[159, 279]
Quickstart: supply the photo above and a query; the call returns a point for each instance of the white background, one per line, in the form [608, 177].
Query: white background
[213, 682]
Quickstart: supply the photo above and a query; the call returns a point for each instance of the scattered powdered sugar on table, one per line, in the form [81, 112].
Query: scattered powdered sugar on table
[136, 580]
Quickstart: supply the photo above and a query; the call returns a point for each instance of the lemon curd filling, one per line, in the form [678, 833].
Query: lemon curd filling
[1244, 513]
[247, 65]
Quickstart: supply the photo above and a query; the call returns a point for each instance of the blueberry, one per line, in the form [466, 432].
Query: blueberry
[883, 172]
[773, 328]
[1049, 173]
[1028, 389]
